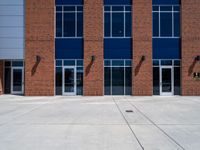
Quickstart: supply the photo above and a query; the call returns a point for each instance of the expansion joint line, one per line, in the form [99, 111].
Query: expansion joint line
[172, 139]
[128, 124]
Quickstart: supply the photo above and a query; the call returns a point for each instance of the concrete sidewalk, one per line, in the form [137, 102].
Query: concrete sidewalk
[99, 123]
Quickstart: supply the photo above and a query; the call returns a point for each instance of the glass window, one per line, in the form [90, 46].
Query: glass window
[177, 82]
[155, 62]
[128, 81]
[166, 21]
[166, 62]
[155, 24]
[117, 8]
[69, 8]
[58, 80]
[107, 82]
[107, 25]
[58, 62]
[17, 64]
[117, 24]
[69, 24]
[79, 80]
[165, 8]
[118, 81]
[176, 24]
[69, 63]
[7, 81]
[79, 62]
[58, 24]
[156, 81]
[128, 24]
[7, 63]
[79, 24]
[166, 24]
[118, 63]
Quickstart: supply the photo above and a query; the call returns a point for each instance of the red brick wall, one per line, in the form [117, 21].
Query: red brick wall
[1, 77]
[93, 45]
[39, 78]
[190, 46]
[142, 46]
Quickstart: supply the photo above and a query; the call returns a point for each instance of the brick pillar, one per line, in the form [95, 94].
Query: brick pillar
[1, 77]
[190, 46]
[39, 71]
[93, 46]
[142, 48]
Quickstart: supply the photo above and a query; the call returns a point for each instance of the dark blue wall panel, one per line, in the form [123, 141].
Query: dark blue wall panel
[166, 48]
[69, 48]
[117, 2]
[166, 2]
[69, 2]
[118, 48]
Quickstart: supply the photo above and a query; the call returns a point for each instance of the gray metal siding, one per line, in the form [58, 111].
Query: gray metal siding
[11, 29]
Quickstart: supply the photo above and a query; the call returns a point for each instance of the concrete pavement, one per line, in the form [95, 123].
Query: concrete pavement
[99, 123]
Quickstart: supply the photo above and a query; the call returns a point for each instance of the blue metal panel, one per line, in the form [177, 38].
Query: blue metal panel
[69, 48]
[166, 2]
[117, 2]
[118, 48]
[69, 2]
[166, 48]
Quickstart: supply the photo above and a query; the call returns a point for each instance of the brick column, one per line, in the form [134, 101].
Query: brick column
[190, 46]
[142, 48]
[1, 77]
[39, 48]
[93, 46]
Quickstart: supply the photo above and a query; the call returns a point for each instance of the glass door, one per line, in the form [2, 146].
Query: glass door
[69, 81]
[166, 83]
[17, 80]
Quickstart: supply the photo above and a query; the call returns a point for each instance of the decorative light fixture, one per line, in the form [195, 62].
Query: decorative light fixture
[197, 58]
[93, 58]
[38, 58]
[143, 58]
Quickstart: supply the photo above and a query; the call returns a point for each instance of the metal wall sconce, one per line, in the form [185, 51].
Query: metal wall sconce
[38, 58]
[196, 75]
[143, 58]
[197, 58]
[93, 58]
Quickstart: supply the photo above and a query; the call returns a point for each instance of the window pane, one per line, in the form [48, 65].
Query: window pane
[128, 25]
[69, 8]
[176, 8]
[118, 24]
[165, 8]
[118, 63]
[7, 81]
[118, 81]
[80, 8]
[58, 24]
[79, 24]
[177, 24]
[69, 63]
[107, 82]
[79, 81]
[128, 80]
[58, 62]
[107, 8]
[177, 82]
[155, 24]
[156, 81]
[166, 24]
[107, 25]
[107, 63]
[58, 8]
[58, 80]
[155, 8]
[156, 63]
[79, 62]
[69, 24]
[17, 64]
[166, 62]
[128, 8]
[117, 8]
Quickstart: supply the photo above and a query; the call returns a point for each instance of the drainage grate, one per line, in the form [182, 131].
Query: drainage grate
[129, 111]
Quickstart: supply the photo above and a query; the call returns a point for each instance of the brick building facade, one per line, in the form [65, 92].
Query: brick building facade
[101, 47]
